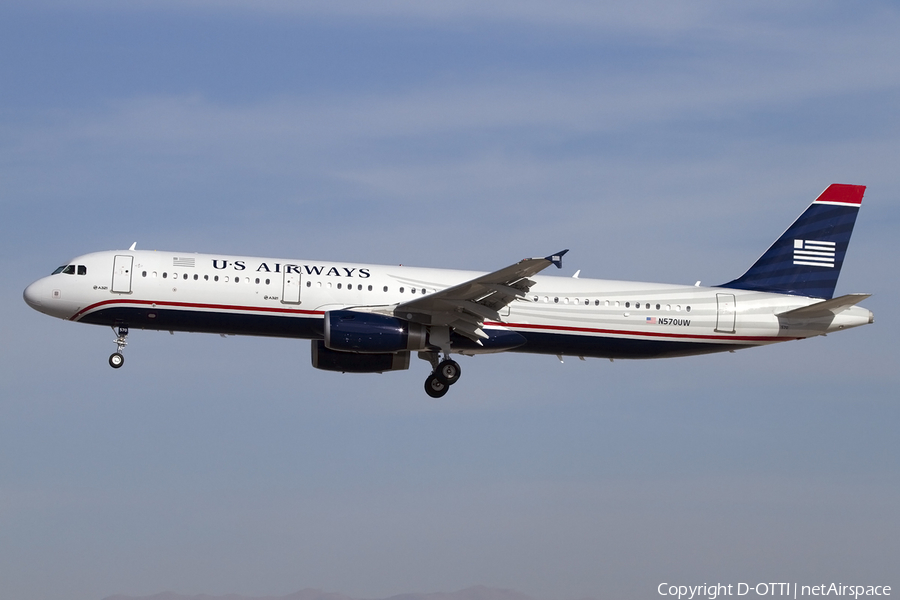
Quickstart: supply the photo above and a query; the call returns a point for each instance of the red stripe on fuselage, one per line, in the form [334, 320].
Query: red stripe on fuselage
[227, 307]
[659, 334]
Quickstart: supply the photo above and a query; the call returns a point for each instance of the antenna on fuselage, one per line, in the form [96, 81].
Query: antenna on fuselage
[133, 246]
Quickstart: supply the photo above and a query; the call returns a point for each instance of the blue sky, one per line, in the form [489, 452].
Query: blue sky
[660, 141]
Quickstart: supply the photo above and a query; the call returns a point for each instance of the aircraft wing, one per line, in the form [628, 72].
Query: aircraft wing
[465, 307]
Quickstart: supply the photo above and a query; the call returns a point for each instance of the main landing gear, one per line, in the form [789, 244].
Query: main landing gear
[117, 359]
[444, 374]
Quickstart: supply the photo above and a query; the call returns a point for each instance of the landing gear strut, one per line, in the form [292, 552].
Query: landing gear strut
[444, 374]
[117, 359]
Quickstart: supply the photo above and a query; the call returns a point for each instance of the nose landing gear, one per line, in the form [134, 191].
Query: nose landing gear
[117, 359]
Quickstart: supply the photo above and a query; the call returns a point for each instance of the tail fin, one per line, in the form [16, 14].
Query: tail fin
[806, 260]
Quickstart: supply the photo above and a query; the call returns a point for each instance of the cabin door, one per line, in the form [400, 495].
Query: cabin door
[290, 293]
[725, 313]
[121, 280]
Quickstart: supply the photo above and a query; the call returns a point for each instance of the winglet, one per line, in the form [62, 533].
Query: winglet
[556, 259]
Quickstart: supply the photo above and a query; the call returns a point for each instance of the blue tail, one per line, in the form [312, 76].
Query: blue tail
[806, 260]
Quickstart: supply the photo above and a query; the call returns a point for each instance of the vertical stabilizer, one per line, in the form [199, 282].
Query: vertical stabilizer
[806, 260]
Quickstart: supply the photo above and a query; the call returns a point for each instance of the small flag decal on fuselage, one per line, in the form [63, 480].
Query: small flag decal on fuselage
[651, 320]
[813, 253]
[183, 262]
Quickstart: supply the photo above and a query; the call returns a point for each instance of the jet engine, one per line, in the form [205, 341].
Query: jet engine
[369, 333]
[353, 362]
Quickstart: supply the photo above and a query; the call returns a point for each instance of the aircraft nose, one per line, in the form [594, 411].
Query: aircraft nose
[33, 295]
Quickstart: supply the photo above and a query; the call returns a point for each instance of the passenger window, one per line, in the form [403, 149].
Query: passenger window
[385, 288]
[206, 278]
[688, 308]
[370, 288]
[196, 277]
[216, 278]
[165, 274]
[628, 305]
[144, 274]
[185, 276]
[657, 307]
[82, 270]
[401, 290]
[339, 286]
[257, 280]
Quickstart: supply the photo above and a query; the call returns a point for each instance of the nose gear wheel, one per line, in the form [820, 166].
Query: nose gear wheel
[117, 359]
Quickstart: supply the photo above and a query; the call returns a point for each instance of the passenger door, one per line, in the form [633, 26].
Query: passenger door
[121, 280]
[290, 293]
[725, 313]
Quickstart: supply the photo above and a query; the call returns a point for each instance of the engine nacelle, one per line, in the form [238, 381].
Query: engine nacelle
[369, 333]
[353, 362]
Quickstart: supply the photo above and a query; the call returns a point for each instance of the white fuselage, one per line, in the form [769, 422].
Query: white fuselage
[288, 298]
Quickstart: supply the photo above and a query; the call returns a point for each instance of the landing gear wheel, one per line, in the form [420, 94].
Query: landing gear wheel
[116, 360]
[448, 371]
[434, 387]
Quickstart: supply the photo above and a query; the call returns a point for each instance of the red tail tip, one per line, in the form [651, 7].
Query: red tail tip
[841, 193]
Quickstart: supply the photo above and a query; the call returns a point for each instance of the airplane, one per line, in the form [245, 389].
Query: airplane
[364, 318]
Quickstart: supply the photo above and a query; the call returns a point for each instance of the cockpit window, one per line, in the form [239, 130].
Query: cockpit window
[59, 270]
[82, 270]
[69, 270]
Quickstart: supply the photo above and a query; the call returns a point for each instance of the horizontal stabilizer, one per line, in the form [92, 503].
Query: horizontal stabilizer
[825, 308]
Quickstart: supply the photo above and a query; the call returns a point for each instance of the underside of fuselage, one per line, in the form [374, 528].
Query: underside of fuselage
[310, 326]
